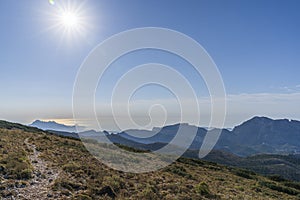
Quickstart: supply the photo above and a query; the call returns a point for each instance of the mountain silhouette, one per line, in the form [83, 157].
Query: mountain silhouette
[259, 135]
[52, 125]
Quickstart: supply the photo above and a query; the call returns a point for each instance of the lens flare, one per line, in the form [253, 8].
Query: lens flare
[52, 2]
[70, 20]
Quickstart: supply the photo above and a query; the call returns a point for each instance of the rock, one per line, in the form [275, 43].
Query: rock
[38, 173]
[33, 182]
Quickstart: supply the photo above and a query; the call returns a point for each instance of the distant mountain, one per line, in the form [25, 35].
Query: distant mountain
[52, 125]
[259, 135]
[265, 135]
[162, 135]
[262, 130]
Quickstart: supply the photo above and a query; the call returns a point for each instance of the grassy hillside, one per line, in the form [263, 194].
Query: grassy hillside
[286, 166]
[38, 165]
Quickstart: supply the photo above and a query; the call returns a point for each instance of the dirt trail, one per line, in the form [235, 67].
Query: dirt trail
[42, 180]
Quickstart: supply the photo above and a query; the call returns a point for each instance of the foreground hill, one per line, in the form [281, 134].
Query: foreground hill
[35, 164]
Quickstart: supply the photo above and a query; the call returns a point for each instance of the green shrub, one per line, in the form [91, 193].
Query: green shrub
[276, 178]
[115, 182]
[16, 166]
[149, 193]
[179, 170]
[25, 174]
[295, 185]
[71, 167]
[71, 186]
[193, 162]
[202, 188]
[243, 173]
[279, 188]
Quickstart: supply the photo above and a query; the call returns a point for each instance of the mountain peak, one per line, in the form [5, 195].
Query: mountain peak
[259, 118]
[52, 125]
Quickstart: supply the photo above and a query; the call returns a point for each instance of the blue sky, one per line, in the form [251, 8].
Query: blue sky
[255, 45]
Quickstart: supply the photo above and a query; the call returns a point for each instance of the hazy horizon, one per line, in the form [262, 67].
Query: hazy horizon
[254, 44]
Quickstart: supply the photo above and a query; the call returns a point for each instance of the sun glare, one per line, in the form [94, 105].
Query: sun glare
[69, 19]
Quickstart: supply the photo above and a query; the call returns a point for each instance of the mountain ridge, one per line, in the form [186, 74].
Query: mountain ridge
[258, 135]
[54, 126]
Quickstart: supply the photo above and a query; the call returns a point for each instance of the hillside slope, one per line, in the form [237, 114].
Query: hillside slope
[38, 165]
[286, 166]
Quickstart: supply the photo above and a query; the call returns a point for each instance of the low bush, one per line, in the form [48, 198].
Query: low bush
[203, 189]
[71, 167]
[279, 188]
[149, 193]
[16, 166]
[277, 178]
[179, 170]
[71, 186]
[243, 173]
[295, 185]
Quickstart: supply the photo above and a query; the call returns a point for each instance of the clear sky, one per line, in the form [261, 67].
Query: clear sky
[255, 45]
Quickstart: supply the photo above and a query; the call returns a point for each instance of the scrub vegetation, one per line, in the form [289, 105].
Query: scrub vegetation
[78, 175]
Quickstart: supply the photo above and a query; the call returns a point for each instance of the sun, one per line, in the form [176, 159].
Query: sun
[70, 20]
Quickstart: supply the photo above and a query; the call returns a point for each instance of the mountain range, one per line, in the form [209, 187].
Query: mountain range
[259, 135]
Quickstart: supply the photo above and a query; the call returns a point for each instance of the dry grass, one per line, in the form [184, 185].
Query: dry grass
[84, 177]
